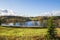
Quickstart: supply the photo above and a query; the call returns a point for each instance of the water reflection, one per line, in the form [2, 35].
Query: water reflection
[29, 23]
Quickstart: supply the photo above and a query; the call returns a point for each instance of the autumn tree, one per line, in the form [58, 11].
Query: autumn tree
[41, 20]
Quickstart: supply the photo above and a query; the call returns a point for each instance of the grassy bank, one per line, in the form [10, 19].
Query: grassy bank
[10, 33]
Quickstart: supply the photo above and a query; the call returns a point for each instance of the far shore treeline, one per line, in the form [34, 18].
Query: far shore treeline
[14, 19]
[21, 18]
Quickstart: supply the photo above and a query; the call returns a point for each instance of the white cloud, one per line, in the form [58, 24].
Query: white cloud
[7, 12]
[12, 13]
[52, 13]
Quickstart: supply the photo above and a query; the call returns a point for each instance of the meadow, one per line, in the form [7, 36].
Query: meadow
[9, 33]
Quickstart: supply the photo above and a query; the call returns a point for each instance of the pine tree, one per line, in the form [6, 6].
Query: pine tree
[51, 33]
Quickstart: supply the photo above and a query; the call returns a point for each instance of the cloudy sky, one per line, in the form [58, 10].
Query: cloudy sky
[30, 7]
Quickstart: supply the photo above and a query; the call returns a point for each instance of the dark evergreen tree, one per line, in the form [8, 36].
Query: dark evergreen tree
[0, 21]
[51, 33]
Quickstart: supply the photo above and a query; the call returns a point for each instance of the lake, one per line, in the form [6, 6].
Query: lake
[24, 24]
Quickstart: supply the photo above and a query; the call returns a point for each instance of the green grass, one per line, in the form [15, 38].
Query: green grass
[9, 31]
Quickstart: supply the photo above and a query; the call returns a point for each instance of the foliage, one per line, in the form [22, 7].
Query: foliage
[51, 33]
[0, 21]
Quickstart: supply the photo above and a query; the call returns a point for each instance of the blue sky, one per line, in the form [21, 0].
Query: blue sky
[30, 7]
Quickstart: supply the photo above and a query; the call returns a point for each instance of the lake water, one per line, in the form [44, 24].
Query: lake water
[24, 24]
